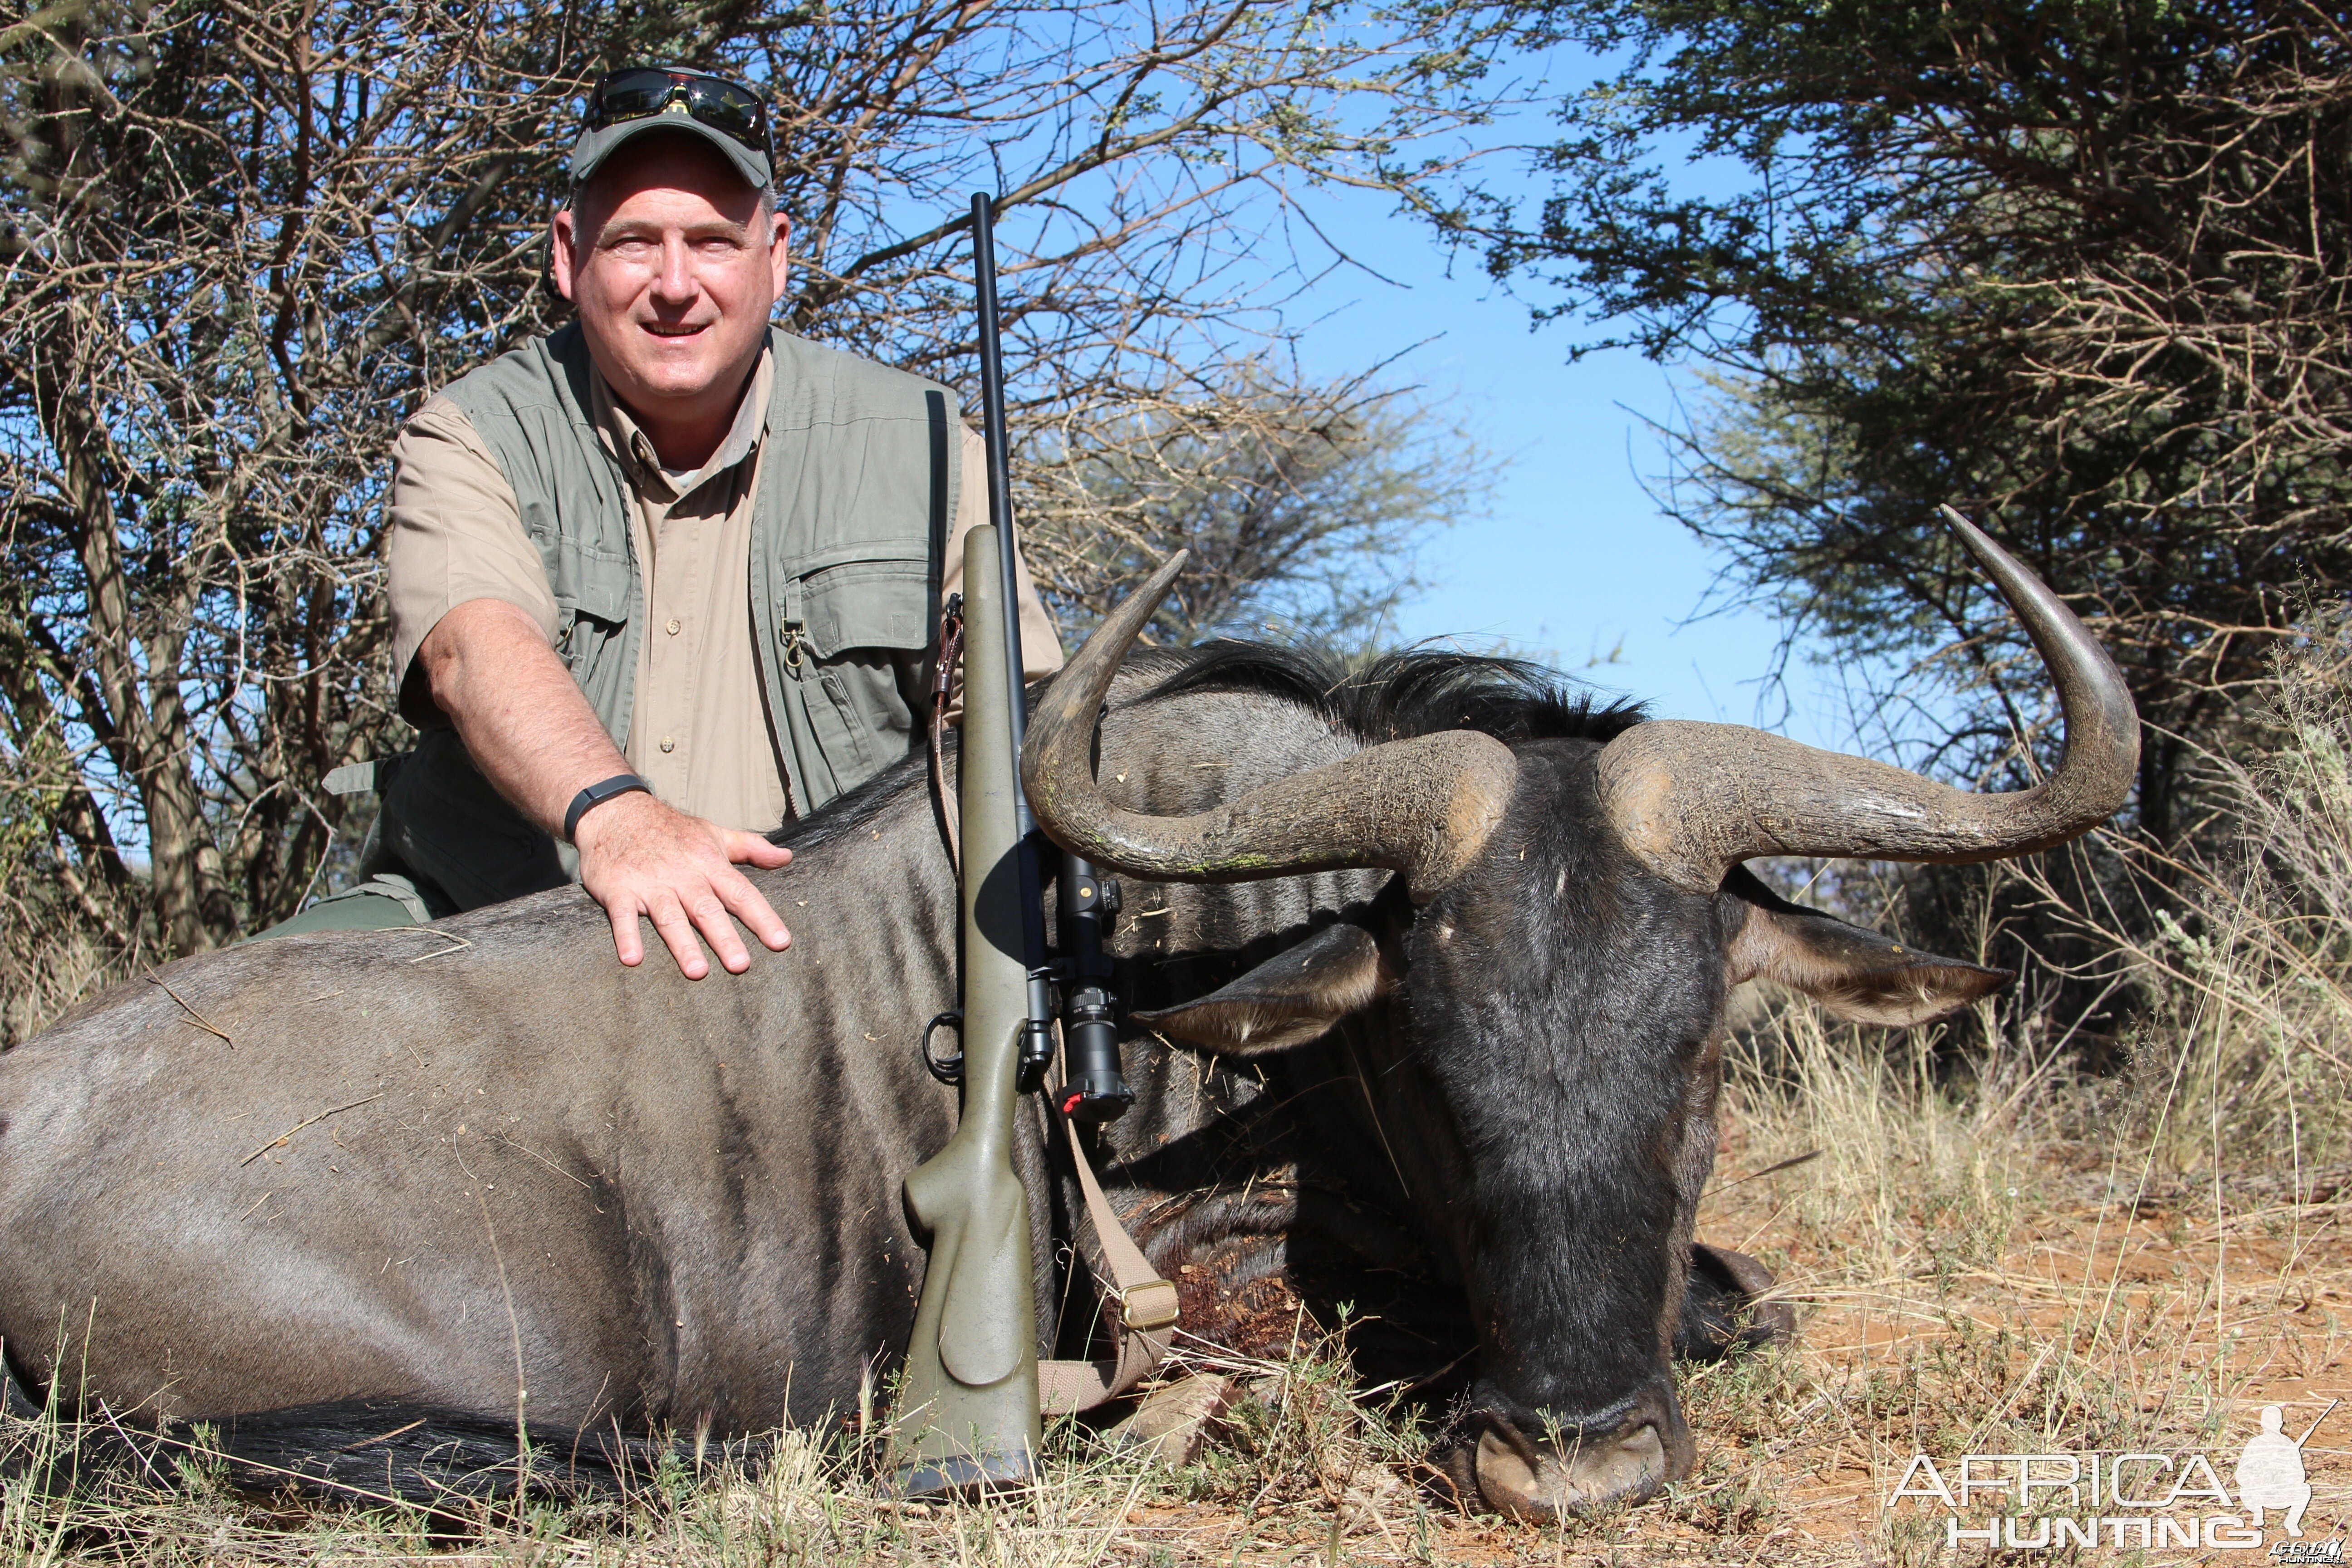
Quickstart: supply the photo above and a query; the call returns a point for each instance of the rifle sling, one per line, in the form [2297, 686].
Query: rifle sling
[942, 681]
[1141, 1330]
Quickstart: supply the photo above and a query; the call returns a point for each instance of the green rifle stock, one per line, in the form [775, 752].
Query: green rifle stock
[968, 1412]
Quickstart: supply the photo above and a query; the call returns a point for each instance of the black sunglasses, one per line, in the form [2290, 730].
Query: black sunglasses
[641, 92]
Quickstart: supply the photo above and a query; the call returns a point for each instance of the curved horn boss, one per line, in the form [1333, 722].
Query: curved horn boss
[1690, 800]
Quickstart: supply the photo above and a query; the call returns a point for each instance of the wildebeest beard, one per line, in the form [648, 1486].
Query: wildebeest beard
[618, 1203]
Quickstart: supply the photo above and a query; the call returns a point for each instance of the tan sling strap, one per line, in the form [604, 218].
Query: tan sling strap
[1145, 1322]
[941, 679]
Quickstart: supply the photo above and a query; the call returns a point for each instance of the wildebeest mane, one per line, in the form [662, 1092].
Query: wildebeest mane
[1414, 691]
[853, 810]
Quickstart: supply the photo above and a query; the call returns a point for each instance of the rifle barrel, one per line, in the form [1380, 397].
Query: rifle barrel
[1037, 1040]
[1000, 462]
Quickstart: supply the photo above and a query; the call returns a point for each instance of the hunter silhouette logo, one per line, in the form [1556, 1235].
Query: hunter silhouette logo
[2270, 1473]
[2147, 1501]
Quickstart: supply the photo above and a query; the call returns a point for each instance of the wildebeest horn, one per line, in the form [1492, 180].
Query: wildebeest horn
[1693, 800]
[1422, 807]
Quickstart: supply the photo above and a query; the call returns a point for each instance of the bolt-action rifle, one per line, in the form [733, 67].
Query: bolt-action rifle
[968, 1410]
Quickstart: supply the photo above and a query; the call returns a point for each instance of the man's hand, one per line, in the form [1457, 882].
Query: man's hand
[535, 738]
[638, 857]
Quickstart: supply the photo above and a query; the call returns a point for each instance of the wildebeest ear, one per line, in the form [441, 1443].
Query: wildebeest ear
[1289, 1000]
[1855, 973]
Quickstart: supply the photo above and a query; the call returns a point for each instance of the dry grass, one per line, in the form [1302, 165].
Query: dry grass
[1987, 1276]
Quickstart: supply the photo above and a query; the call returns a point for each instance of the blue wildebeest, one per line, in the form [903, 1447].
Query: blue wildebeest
[1428, 968]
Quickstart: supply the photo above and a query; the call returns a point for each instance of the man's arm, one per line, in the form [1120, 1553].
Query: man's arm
[533, 735]
[472, 618]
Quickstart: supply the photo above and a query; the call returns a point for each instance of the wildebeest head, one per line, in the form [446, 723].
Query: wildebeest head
[1546, 980]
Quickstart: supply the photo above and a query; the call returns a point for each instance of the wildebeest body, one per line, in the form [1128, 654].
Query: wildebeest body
[688, 1193]
[690, 1190]
[534, 1183]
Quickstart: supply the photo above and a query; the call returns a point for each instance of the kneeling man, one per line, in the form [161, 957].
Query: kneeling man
[667, 577]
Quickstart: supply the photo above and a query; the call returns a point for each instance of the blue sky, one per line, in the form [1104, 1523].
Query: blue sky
[1572, 563]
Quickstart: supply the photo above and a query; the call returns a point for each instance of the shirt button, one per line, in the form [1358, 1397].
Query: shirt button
[674, 627]
[668, 744]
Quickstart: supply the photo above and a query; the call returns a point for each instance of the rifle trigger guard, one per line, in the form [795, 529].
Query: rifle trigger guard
[947, 1069]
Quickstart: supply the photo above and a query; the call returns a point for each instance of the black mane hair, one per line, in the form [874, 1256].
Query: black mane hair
[1417, 692]
[843, 815]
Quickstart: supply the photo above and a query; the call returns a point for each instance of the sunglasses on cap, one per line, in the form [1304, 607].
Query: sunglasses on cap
[640, 92]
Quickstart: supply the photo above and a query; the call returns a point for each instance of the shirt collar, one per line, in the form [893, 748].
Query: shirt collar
[627, 441]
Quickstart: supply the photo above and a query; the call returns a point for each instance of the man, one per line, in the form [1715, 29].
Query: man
[666, 577]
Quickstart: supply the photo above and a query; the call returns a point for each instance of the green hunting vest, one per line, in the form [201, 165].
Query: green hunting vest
[858, 474]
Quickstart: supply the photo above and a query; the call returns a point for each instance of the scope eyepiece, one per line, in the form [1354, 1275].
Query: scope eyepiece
[1095, 1091]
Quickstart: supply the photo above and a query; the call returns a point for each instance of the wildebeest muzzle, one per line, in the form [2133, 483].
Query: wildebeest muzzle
[1536, 1465]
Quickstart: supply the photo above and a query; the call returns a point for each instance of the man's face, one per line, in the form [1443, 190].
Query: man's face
[673, 270]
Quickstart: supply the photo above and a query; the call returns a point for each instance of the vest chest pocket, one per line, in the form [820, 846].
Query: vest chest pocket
[592, 602]
[840, 627]
[861, 604]
[587, 581]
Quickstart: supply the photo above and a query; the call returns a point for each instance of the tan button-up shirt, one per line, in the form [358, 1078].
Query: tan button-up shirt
[699, 733]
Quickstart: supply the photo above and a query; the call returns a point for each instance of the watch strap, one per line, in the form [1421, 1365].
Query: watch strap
[596, 795]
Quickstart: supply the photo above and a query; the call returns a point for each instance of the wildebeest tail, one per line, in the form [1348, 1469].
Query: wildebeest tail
[13, 1399]
[415, 1453]
[359, 1450]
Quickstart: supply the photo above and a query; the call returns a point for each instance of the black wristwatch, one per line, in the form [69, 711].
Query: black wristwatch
[596, 795]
